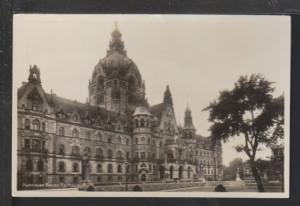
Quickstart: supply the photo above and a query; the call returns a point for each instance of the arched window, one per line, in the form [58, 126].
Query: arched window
[87, 151]
[136, 140]
[99, 153]
[99, 168]
[88, 135]
[27, 124]
[148, 123]
[119, 140]
[109, 154]
[61, 131]
[109, 168]
[75, 150]
[75, 133]
[61, 149]
[109, 139]
[170, 155]
[142, 140]
[142, 122]
[119, 154]
[75, 167]
[99, 136]
[36, 124]
[61, 166]
[100, 82]
[119, 168]
[127, 141]
[29, 165]
[43, 126]
[136, 123]
[35, 106]
[127, 155]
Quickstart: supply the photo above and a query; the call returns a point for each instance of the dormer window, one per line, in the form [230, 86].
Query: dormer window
[35, 106]
[36, 124]
[75, 133]
[27, 124]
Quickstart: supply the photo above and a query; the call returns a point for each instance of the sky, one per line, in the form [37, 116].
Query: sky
[196, 55]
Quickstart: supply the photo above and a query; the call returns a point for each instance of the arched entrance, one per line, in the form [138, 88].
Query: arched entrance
[143, 178]
[189, 172]
[161, 172]
[171, 171]
[180, 170]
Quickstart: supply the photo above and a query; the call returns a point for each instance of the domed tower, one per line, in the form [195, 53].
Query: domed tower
[142, 150]
[116, 83]
[188, 127]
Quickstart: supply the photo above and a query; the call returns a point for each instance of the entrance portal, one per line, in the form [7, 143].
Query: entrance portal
[189, 172]
[180, 172]
[143, 178]
[171, 171]
[161, 172]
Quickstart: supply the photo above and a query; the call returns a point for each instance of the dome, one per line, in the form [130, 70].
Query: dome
[141, 111]
[116, 63]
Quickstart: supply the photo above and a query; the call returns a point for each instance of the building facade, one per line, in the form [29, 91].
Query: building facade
[114, 137]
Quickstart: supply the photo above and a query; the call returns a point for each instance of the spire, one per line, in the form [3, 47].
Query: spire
[168, 97]
[116, 44]
[188, 120]
[34, 75]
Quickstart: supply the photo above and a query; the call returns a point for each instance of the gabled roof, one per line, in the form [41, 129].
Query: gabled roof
[157, 110]
[84, 110]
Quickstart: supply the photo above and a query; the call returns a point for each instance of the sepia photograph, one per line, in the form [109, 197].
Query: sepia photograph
[151, 106]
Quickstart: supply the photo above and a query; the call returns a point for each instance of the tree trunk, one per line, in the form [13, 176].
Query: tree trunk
[256, 175]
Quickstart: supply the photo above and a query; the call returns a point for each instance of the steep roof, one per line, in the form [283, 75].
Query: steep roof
[60, 104]
[157, 110]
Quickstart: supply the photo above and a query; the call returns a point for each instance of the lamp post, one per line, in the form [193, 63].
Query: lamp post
[201, 170]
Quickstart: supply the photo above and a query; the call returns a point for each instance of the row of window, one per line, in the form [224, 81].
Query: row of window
[98, 136]
[142, 123]
[35, 125]
[142, 155]
[75, 150]
[99, 168]
[29, 165]
[35, 145]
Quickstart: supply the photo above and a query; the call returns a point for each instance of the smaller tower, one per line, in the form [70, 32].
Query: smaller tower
[168, 100]
[34, 75]
[142, 138]
[188, 127]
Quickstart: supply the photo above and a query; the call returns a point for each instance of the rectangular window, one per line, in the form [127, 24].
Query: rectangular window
[143, 155]
[35, 145]
[27, 143]
[88, 135]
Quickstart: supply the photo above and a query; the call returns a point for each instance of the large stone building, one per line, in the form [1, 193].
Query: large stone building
[115, 136]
